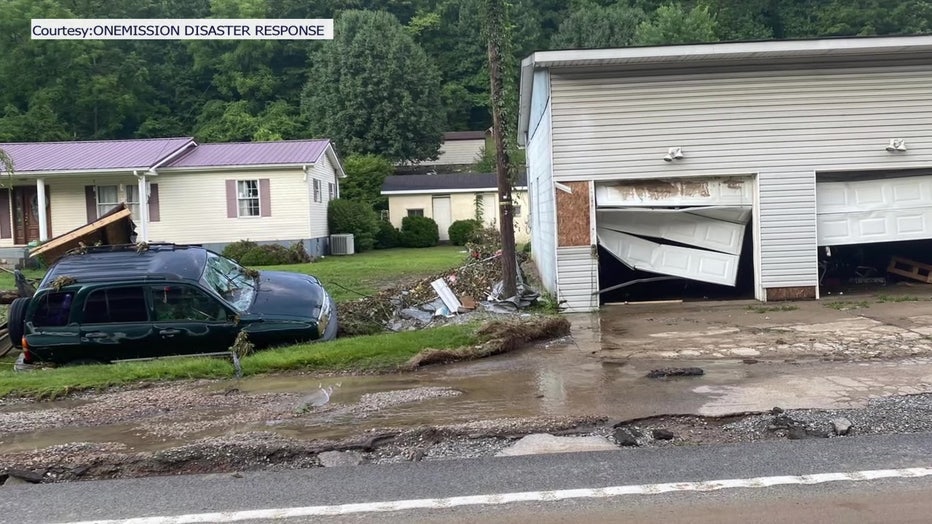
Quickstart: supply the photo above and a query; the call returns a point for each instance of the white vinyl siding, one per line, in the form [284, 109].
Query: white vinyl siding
[458, 152]
[323, 171]
[542, 203]
[577, 278]
[609, 127]
[788, 250]
[463, 208]
[188, 197]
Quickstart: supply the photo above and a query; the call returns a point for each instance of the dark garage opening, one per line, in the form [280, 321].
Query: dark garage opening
[863, 267]
[613, 272]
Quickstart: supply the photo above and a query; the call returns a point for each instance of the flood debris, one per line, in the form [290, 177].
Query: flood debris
[675, 372]
[437, 299]
[497, 337]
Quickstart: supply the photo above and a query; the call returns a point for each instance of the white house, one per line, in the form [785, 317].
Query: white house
[209, 194]
[449, 197]
[733, 165]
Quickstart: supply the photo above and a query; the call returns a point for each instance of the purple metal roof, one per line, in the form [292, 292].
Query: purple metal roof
[253, 153]
[91, 155]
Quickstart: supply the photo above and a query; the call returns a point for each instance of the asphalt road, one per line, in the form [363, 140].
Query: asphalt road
[639, 478]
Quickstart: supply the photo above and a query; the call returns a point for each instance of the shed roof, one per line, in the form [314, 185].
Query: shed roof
[284, 152]
[93, 155]
[444, 183]
[464, 135]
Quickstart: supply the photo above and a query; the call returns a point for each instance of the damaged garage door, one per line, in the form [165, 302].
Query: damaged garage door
[879, 210]
[648, 227]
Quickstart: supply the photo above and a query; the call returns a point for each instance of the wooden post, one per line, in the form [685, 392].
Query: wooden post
[495, 26]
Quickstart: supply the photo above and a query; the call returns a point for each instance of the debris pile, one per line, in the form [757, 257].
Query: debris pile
[433, 300]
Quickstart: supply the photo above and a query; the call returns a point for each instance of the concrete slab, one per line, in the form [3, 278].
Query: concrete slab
[541, 443]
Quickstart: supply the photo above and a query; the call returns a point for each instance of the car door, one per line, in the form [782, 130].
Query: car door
[187, 320]
[115, 323]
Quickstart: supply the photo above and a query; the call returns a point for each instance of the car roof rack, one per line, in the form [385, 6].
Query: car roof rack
[139, 247]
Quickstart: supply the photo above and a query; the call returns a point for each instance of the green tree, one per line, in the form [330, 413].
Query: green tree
[364, 177]
[674, 24]
[375, 91]
[590, 25]
[6, 163]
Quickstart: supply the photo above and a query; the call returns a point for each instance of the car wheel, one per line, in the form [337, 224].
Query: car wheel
[17, 325]
[6, 344]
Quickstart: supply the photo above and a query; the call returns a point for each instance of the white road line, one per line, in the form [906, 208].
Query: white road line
[527, 496]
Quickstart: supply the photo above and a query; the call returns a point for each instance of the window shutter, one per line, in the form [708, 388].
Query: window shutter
[265, 199]
[231, 199]
[154, 215]
[90, 199]
[6, 227]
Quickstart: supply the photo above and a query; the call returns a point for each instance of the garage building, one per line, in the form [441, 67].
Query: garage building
[726, 170]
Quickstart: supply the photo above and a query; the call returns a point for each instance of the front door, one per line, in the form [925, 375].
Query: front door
[26, 214]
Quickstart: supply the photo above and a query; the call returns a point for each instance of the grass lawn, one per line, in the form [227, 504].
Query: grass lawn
[384, 352]
[353, 276]
[350, 277]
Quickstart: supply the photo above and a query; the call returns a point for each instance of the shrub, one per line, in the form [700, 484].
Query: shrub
[274, 255]
[236, 250]
[388, 235]
[462, 230]
[347, 216]
[419, 232]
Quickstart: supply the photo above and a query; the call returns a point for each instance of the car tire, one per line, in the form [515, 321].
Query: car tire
[17, 318]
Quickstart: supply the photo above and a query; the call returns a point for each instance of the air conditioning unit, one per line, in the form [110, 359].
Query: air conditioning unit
[341, 245]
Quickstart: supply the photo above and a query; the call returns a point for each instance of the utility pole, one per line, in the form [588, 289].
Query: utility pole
[495, 32]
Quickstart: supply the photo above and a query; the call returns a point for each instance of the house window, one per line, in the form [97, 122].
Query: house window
[108, 197]
[248, 197]
[331, 188]
[415, 212]
[316, 190]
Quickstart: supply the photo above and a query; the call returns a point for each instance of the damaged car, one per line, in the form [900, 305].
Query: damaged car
[110, 303]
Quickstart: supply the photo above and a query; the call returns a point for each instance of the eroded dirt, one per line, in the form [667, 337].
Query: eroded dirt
[870, 363]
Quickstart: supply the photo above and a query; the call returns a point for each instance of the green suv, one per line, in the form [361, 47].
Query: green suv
[112, 303]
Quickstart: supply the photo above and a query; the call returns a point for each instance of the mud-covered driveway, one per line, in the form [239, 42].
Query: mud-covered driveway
[824, 355]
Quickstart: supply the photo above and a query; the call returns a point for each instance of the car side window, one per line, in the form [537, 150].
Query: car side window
[118, 304]
[174, 302]
[54, 309]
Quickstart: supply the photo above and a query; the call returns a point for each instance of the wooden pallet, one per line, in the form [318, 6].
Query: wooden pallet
[910, 269]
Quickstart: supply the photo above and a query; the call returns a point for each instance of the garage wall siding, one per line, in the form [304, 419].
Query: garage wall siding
[607, 127]
[578, 279]
[788, 251]
[542, 205]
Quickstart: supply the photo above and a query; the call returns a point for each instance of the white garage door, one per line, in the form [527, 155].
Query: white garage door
[879, 210]
[635, 217]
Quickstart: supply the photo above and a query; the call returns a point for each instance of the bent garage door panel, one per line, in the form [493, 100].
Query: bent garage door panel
[695, 264]
[678, 226]
[881, 210]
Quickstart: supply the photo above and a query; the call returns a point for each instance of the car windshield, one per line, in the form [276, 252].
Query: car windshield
[230, 280]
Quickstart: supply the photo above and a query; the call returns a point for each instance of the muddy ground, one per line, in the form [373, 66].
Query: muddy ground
[440, 412]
